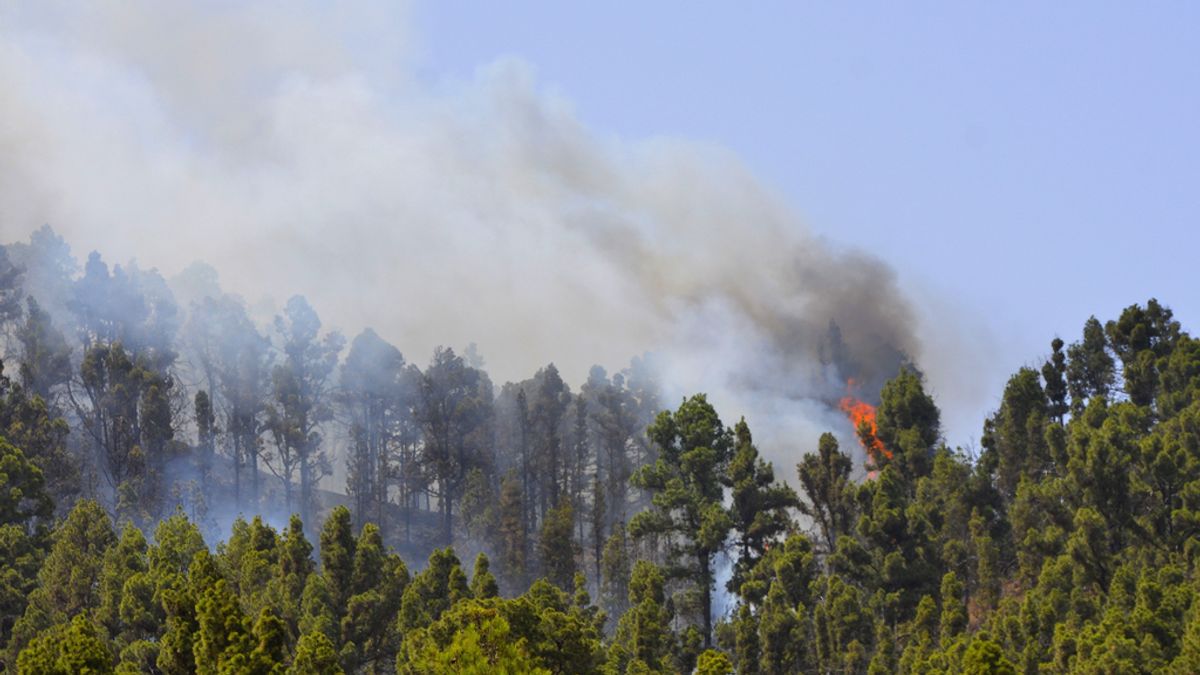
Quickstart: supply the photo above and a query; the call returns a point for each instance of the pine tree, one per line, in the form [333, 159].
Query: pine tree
[10, 289]
[455, 412]
[66, 649]
[223, 637]
[839, 620]
[557, 547]
[512, 544]
[615, 569]
[23, 499]
[547, 410]
[337, 560]
[643, 638]
[68, 582]
[908, 424]
[122, 562]
[599, 517]
[485, 646]
[759, 508]
[301, 390]
[183, 571]
[792, 564]
[316, 609]
[477, 512]
[249, 560]
[1054, 374]
[954, 609]
[1090, 367]
[315, 655]
[615, 420]
[433, 591]
[271, 648]
[986, 555]
[140, 656]
[240, 365]
[25, 511]
[984, 657]
[1014, 438]
[45, 361]
[1142, 338]
[295, 566]
[747, 642]
[206, 433]
[781, 634]
[126, 418]
[377, 400]
[483, 584]
[579, 461]
[368, 631]
[713, 662]
[694, 450]
[158, 433]
[883, 661]
[32, 425]
[903, 558]
[828, 491]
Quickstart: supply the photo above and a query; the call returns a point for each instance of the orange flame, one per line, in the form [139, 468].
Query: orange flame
[862, 413]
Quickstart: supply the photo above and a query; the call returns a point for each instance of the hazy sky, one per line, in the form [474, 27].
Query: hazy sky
[691, 175]
[1029, 163]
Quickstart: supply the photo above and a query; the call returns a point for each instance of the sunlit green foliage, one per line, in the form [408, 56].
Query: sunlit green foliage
[1069, 544]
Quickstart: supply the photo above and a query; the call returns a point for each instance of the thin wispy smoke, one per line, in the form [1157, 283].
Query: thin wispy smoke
[294, 149]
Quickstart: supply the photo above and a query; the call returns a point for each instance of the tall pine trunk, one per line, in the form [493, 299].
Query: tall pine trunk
[237, 471]
[305, 488]
[706, 583]
[447, 518]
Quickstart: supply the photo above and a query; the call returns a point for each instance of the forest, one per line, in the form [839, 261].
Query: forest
[188, 486]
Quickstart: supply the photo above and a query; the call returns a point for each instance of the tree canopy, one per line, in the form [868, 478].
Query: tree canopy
[197, 489]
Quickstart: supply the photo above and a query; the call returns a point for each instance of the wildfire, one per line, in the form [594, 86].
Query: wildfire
[862, 414]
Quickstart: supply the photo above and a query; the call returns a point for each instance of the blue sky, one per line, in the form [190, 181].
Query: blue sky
[1027, 163]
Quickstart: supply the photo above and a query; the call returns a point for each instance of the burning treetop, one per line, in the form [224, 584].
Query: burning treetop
[862, 415]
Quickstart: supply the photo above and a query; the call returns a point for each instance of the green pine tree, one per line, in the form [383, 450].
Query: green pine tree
[688, 513]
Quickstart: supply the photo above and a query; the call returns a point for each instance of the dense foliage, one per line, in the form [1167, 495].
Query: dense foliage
[597, 533]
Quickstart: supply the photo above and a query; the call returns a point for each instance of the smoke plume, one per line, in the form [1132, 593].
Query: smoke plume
[296, 150]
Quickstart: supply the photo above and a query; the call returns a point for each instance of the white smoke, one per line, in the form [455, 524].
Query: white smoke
[291, 146]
